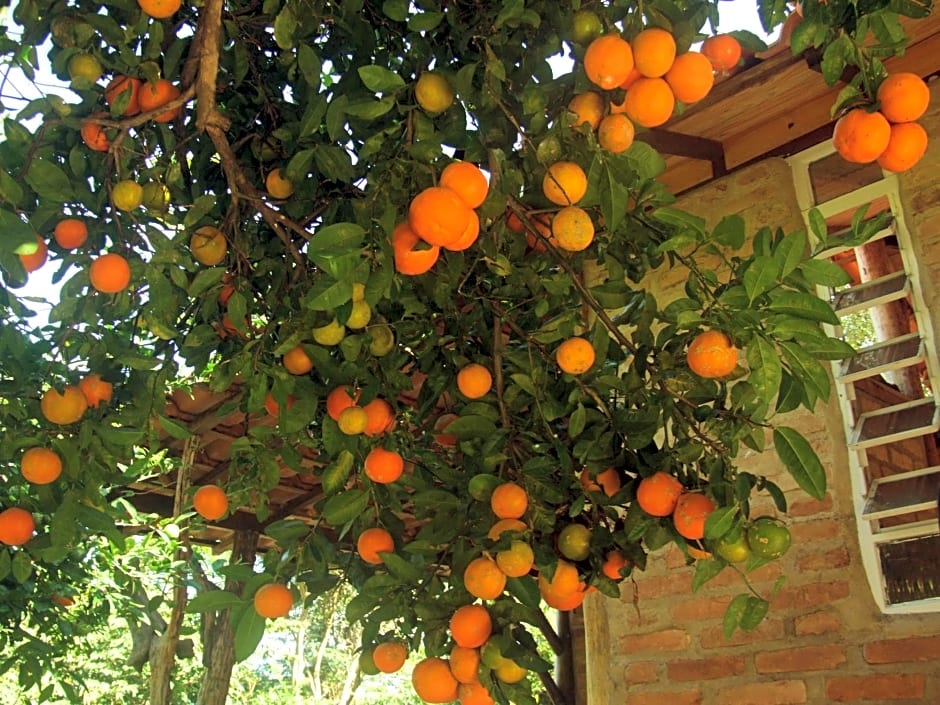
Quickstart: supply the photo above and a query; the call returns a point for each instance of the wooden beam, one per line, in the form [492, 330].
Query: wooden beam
[701, 148]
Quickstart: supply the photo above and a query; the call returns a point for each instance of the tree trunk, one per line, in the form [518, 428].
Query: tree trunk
[353, 678]
[220, 643]
[890, 320]
[299, 666]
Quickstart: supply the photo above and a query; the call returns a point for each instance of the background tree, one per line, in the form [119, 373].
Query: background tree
[263, 197]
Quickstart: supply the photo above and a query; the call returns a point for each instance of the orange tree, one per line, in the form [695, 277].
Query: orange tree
[257, 195]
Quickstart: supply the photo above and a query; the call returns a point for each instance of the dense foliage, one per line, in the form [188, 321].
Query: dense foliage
[325, 91]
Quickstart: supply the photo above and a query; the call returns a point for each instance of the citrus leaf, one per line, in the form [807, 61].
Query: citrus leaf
[754, 612]
[336, 473]
[249, 628]
[378, 79]
[803, 305]
[212, 601]
[801, 461]
[824, 273]
[705, 570]
[733, 614]
[760, 277]
[766, 370]
[720, 521]
[343, 508]
[790, 251]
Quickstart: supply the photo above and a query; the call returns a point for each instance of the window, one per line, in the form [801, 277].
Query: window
[887, 391]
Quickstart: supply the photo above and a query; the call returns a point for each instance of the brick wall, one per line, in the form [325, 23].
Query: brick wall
[824, 639]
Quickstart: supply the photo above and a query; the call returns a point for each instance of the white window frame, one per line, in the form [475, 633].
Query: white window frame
[888, 188]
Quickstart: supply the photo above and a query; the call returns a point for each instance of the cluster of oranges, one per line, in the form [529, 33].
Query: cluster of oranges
[654, 77]
[440, 216]
[128, 96]
[662, 495]
[891, 134]
[109, 273]
[41, 465]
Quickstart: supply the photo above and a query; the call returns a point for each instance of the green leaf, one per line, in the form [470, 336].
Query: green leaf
[425, 21]
[213, 600]
[828, 348]
[754, 612]
[343, 508]
[50, 181]
[761, 276]
[766, 370]
[808, 370]
[802, 305]
[14, 232]
[401, 568]
[249, 628]
[730, 232]
[336, 473]
[576, 421]
[824, 273]
[705, 570]
[472, 426]
[379, 79]
[836, 57]
[370, 109]
[175, 429]
[801, 461]
[285, 27]
[6, 564]
[311, 66]
[683, 220]
[733, 614]
[790, 251]
[22, 567]
[720, 521]
[10, 190]
[817, 224]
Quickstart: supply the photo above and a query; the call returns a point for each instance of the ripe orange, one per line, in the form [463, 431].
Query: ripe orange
[469, 235]
[906, 146]
[616, 133]
[471, 626]
[372, 542]
[630, 79]
[658, 494]
[509, 501]
[608, 61]
[210, 502]
[649, 102]
[484, 579]
[94, 135]
[96, 390]
[273, 600]
[353, 420]
[586, 108]
[565, 183]
[690, 77]
[712, 355]
[296, 361]
[438, 216]
[389, 656]
[690, 514]
[16, 526]
[34, 261]
[340, 398]
[654, 50]
[278, 185]
[433, 681]
[70, 233]
[41, 466]
[496, 531]
[474, 381]
[467, 181]
[575, 356]
[614, 563]
[110, 273]
[384, 466]
[606, 481]
[412, 255]
[380, 417]
[124, 84]
[465, 664]
[474, 694]
[860, 136]
[273, 408]
[152, 96]
[564, 581]
[903, 97]
[63, 408]
[723, 51]
[573, 228]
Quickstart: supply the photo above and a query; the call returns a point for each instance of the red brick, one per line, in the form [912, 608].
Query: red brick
[765, 574]
[664, 640]
[816, 623]
[698, 608]
[769, 630]
[836, 558]
[673, 697]
[805, 658]
[811, 595]
[889, 686]
[915, 648]
[815, 530]
[640, 672]
[809, 507]
[672, 583]
[705, 668]
[768, 693]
